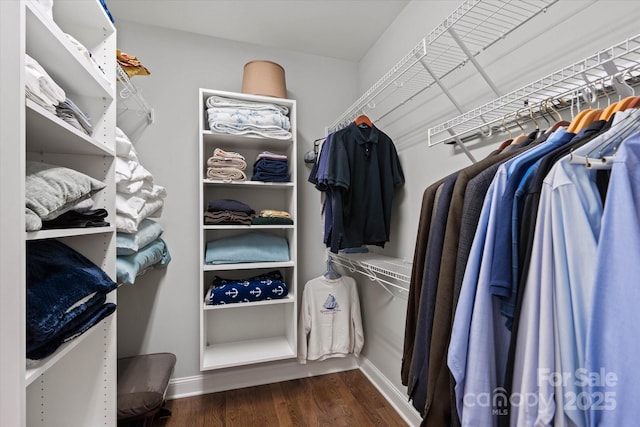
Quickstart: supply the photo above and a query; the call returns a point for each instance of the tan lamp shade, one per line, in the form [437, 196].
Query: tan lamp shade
[264, 78]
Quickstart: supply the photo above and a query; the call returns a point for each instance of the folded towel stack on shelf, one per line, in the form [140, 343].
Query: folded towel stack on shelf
[226, 166]
[238, 117]
[44, 91]
[138, 199]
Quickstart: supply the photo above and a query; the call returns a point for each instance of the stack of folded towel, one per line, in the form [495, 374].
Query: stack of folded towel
[228, 211]
[271, 167]
[137, 196]
[236, 117]
[226, 165]
[272, 217]
[44, 91]
[40, 87]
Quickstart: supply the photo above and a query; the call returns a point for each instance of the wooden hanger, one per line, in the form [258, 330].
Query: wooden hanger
[635, 103]
[587, 119]
[576, 120]
[363, 120]
[624, 104]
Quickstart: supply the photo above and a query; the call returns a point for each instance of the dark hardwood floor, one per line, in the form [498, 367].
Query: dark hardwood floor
[340, 399]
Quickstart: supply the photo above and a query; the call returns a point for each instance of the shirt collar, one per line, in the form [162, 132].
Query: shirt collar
[363, 136]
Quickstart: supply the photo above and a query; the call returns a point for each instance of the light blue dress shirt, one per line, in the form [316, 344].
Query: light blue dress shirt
[612, 339]
[558, 294]
[479, 338]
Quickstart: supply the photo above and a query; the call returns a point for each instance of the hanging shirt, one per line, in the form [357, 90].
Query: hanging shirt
[330, 319]
[364, 171]
[612, 346]
[558, 293]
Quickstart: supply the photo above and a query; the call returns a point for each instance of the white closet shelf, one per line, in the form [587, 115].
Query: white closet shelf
[68, 232]
[469, 30]
[286, 300]
[614, 62]
[39, 368]
[49, 133]
[247, 227]
[239, 353]
[248, 266]
[48, 45]
[260, 184]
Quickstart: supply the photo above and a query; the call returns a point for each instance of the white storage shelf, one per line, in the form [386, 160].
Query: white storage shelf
[255, 332]
[83, 369]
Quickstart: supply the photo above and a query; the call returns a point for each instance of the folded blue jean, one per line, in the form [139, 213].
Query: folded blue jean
[276, 166]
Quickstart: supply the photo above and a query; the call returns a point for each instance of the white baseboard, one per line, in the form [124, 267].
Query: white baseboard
[250, 376]
[395, 397]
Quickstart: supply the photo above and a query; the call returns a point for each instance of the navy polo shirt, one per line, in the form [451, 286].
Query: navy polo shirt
[363, 171]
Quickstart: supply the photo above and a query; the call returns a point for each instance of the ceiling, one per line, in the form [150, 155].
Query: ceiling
[343, 29]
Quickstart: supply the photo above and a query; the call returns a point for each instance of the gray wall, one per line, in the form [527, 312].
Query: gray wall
[160, 312]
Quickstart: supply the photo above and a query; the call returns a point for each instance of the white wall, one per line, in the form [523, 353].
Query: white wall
[160, 313]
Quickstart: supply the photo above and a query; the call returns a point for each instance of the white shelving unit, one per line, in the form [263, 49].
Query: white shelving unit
[255, 332]
[75, 386]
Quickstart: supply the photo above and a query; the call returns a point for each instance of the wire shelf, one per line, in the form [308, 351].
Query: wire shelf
[387, 270]
[614, 64]
[130, 91]
[469, 30]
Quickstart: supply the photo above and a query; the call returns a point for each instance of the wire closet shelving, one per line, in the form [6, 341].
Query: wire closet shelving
[609, 67]
[472, 28]
[384, 270]
[129, 91]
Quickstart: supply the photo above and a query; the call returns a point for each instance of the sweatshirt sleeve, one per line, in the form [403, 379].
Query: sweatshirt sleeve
[356, 321]
[304, 327]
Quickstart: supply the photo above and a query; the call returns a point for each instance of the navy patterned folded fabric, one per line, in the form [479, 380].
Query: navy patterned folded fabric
[262, 287]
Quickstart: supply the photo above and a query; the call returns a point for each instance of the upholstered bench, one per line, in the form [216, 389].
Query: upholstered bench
[142, 385]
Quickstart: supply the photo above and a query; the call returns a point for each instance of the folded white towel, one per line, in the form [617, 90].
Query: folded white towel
[275, 132]
[226, 174]
[40, 86]
[219, 101]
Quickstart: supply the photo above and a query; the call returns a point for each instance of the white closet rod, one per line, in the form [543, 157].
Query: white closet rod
[614, 64]
[469, 30]
[130, 91]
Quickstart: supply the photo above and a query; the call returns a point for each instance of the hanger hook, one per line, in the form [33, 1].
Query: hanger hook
[532, 117]
[550, 101]
[517, 116]
[542, 111]
[504, 126]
